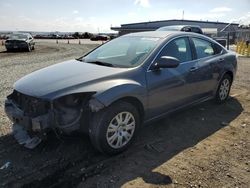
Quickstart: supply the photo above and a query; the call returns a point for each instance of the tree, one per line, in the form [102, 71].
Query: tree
[76, 35]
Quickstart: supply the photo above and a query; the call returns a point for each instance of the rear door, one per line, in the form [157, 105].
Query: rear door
[207, 72]
[170, 88]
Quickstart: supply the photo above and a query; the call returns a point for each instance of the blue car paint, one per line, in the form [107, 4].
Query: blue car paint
[159, 91]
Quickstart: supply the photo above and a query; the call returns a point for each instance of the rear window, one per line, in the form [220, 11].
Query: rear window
[18, 36]
[203, 48]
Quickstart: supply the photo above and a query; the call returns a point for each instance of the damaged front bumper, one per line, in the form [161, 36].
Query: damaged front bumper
[33, 117]
[28, 131]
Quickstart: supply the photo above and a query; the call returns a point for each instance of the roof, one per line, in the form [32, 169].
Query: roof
[193, 21]
[159, 34]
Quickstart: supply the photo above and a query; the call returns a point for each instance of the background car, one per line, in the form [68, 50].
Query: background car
[186, 28]
[99, 37]
[20, 41]
[111, 91]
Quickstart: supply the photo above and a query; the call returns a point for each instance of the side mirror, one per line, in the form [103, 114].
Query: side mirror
[167, 62]
[30, 38]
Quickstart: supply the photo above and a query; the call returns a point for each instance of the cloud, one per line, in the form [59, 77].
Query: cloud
[243, 20]
[75, 12]
[142, 3]
[81, 24]
[221, 9]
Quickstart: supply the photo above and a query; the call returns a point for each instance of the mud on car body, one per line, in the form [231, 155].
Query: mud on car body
[109, 92]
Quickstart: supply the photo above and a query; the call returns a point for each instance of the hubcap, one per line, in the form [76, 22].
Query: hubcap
[120, 130]
[224, 89]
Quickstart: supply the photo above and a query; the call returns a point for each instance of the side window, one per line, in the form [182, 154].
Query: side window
[178, 48]
[217, 49]
[203, 48]
[196, 30]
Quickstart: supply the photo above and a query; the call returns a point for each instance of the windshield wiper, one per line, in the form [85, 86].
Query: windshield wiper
[101, 63]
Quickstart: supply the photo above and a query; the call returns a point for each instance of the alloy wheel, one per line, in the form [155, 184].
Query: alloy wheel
[120, 130]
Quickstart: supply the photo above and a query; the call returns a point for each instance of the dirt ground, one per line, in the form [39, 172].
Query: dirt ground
[204, 146]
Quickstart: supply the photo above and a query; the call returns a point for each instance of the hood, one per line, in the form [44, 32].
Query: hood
[62, 76]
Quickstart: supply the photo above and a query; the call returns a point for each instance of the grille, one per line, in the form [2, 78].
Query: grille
[31, 106]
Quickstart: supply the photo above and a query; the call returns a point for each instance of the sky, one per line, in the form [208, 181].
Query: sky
[99, 15]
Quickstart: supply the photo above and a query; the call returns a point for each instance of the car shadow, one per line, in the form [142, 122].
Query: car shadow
[14, 51]
[162, 140]
[57, 159]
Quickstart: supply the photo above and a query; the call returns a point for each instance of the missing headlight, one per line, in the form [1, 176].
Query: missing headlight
[68, 110]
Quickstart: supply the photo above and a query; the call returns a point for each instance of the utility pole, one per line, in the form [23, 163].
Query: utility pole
[183, 15]
[228, 33]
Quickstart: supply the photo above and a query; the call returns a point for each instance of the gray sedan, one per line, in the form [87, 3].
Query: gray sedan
[20, 41]
[111, 91]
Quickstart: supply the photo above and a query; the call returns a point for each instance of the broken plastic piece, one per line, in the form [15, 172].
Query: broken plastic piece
[5, 166]
[23, 138]
[32, 142]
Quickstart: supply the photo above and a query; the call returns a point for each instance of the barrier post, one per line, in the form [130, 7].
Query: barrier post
[79, 41]
[244, 49]
[241, 46]
[2, 43]
[56, 41]
[68, 41]
[237, 46]
[248, 50]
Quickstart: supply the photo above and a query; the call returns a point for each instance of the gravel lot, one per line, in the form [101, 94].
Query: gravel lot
[17, 64]
[205, 146]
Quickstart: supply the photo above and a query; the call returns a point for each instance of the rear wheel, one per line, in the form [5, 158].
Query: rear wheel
[223, 89]
[29, 48]
[114, 128]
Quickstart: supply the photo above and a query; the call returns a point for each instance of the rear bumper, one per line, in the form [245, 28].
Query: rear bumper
[16, 47]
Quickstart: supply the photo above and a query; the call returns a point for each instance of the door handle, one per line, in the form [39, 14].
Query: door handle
[221, 59]
[192, 69]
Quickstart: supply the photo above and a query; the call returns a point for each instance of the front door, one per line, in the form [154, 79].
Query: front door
[170, 88]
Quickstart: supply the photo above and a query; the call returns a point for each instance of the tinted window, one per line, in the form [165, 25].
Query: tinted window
[203, 48]
[217, 49]
[18, 36]
[178, 48]
[196, 30]
[186, 29]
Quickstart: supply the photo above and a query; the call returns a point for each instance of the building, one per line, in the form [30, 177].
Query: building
[210, 28]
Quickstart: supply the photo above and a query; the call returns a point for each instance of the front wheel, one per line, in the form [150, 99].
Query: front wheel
[114, 128]
[223, 89]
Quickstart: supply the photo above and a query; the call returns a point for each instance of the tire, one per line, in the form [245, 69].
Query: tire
[29, 48]
[113, 139]
[223, 90]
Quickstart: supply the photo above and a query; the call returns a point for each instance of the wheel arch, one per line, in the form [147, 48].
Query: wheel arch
[230, 73]
[227, 72]
[135, 102]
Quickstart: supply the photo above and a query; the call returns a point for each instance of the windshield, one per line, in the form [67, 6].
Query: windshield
[18, 36]
[127, 51]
